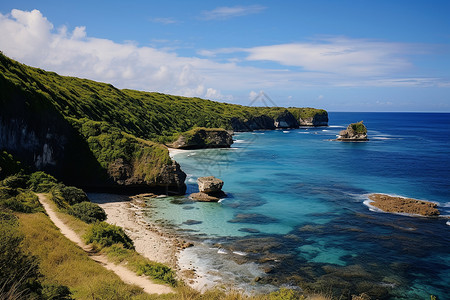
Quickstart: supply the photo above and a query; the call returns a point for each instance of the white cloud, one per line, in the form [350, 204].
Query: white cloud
[165, 21]
[30, 38]
[227, 12]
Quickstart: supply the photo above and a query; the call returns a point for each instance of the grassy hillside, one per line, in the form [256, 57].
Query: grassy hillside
[93, 134]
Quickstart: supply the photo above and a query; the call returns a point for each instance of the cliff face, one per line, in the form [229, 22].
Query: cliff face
[36, 133]
[286, 120]
[203, 138]
[316, 120]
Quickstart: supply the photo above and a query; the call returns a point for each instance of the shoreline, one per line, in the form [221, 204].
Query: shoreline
[150, 240]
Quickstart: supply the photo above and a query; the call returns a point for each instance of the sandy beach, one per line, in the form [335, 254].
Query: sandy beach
[150, 240]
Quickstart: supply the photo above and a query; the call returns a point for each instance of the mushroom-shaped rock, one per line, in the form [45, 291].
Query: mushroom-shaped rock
[209, 184]
[355, 132]
[210, 189]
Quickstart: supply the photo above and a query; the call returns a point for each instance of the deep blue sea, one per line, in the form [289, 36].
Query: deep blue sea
[294, 215]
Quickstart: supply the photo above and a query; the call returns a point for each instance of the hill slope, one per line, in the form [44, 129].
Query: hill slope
[92, 134]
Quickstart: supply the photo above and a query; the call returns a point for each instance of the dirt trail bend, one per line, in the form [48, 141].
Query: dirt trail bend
[125, 274]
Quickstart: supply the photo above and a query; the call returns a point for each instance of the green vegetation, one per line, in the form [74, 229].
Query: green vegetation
[306, 112]
[9, 165]
[41, 182]
[359, 127]
[141, 265]
[64, 263]
[87, 212]
[105, 234]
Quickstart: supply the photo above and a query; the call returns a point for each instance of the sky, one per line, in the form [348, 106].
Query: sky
[359, 55]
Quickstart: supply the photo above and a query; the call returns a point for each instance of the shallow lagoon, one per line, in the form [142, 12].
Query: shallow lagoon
[295, 208]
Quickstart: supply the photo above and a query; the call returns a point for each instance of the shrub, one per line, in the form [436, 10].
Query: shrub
[22, 201]
[157, 271]
[41, 182]
[88, 212]
[107, 234]
[285, 294]
[65, 196]
[15, 181]
[8, 165]
[72, 194]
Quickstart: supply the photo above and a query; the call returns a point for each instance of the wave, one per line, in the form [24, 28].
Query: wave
[222, 251]
[286, 131]
[336, 126]
[448, 223]
[240, 141]
[240, 253]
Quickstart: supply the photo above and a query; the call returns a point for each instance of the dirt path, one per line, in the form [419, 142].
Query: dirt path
[125, 274]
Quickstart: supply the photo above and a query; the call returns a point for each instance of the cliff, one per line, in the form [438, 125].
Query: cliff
[91, 134]
[199, 138]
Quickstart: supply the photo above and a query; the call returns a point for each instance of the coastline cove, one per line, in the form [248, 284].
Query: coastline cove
[295, 213]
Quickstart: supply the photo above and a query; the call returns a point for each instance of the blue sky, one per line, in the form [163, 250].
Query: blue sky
[338, 55]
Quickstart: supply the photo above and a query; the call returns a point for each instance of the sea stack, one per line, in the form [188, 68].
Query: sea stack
[210, 189]
[355, 132]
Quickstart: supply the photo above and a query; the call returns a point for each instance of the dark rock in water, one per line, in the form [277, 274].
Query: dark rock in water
[253, 219]
[192, 222]
[200, 138]
[188, 207]
[286, 120]
[355, 132]
[249, 230]
[209, 184]
[204, 197]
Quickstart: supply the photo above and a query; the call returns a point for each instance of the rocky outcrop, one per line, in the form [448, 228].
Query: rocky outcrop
[199, 138]
[286, 120]
[254, 123]
[319, 119]
[394, 204]
[210, 189]
[355, 132]
[209, 184]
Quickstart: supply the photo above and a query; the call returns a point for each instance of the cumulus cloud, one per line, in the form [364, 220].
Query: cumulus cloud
[227, 12]
[32, 39]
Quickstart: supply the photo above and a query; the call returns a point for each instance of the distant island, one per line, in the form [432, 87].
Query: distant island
[95, 136]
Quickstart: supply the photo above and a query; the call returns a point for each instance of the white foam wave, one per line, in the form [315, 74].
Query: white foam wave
[221, 200]
[324, 130]
[222, 251]
[240, 141]
[448, 223]
[336, 126]
[240, 253]
[304, 132]
[286, 131]
[447, 204]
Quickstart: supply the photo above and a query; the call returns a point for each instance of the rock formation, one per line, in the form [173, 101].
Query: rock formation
[319, 119]
[210, 189]
[286, 120]
[404, 205]
[199, 138]
[355, 132]
[254, 123]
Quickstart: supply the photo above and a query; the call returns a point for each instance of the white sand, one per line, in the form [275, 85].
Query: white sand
[150, 240]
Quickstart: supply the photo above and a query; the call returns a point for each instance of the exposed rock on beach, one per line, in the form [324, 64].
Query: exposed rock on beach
[393, 204]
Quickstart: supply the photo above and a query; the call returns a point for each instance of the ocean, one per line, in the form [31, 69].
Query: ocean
[295, 213]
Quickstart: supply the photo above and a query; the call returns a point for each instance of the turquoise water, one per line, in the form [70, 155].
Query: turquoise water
[301, 194]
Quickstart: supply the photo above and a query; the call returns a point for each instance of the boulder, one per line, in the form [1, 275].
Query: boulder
[355, 132]
[210, 189]
[209, 184]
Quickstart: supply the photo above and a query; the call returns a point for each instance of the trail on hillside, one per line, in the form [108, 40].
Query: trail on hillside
[125, 274]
